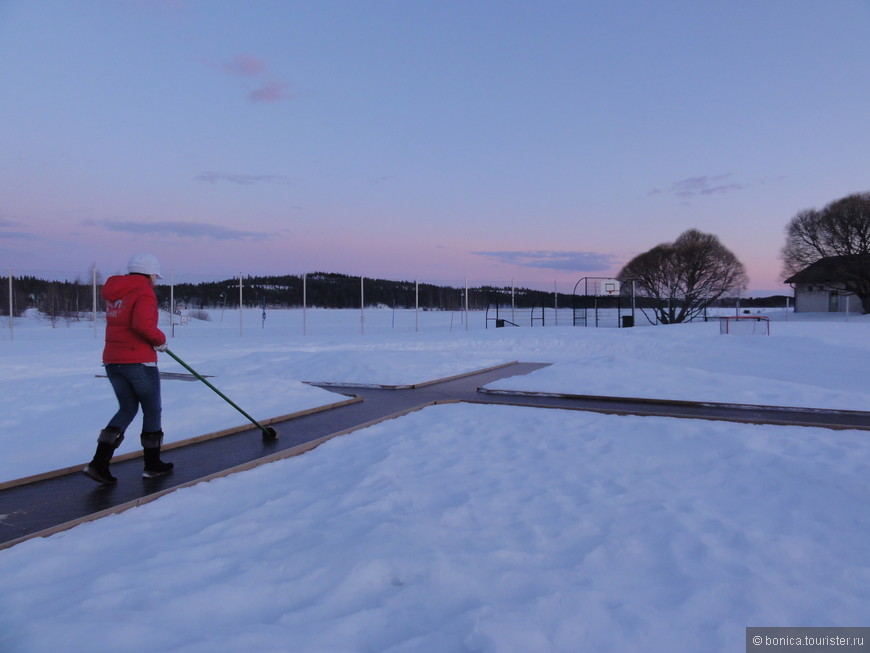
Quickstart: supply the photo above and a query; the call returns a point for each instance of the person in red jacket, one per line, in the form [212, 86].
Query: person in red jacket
[130, 358]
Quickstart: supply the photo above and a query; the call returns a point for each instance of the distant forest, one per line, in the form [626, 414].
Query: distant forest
[321, 290]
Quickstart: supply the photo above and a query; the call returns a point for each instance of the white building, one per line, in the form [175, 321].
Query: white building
[821, 287]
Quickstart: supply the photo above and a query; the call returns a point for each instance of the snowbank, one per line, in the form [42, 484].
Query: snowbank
[460, 528]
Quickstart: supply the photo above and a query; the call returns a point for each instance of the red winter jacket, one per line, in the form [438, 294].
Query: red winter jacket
[131, 320]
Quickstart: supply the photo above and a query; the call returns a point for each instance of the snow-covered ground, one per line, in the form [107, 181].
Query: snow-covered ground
[459, 527]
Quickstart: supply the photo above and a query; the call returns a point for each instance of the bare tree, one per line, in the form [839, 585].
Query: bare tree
[841, 230]
[680, 279]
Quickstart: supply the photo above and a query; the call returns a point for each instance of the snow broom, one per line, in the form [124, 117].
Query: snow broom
[268, 432]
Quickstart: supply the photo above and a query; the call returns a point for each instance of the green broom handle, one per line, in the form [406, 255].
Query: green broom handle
[219, 393]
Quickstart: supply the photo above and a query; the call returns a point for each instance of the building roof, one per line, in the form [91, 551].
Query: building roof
[833, 269]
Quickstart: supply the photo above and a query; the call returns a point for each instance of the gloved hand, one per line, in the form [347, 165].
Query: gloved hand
[162, 347]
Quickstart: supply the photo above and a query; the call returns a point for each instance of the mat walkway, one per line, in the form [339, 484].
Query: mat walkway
[58, 500]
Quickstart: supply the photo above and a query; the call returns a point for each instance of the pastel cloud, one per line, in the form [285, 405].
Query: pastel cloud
[701, 185]
[180, 229]
[243, 180]
[553, 260]
[251, 67]
[14, 235]
[17, 235]
[245, 65]
[270, 91]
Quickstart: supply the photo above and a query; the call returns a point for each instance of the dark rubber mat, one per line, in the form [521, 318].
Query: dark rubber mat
[42, 505]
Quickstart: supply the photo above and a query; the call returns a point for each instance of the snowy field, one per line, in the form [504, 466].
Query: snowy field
[459, 527]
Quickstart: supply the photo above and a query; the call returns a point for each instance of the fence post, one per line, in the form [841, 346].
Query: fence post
[172, 303]
[556, 303]
[362, 306]
[305, 304]
[11, 309]
[466, 303]
[94, 296]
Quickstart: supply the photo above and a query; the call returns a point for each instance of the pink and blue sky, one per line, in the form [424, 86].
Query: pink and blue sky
[498, 140]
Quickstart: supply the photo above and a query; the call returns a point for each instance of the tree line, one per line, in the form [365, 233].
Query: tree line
[72, 299]
[672, 282]
[54, 299]
[332, 290]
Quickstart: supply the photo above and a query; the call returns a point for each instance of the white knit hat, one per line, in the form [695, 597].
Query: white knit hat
[144, 264]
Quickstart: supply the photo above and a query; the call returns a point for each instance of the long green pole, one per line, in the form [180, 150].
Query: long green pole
[268, 432]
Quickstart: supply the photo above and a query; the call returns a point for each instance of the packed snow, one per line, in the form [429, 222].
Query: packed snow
[457, 527]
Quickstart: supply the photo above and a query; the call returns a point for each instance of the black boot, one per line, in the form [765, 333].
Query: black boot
[153, 465]
[98, 468]
[151, 443]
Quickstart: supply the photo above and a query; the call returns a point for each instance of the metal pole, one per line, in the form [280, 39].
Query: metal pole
[11, 329]
[94, 297]
[556, 303]
[632, 297]
[417, 304]
[241, 309]
[172, 302]
[362, 306]
[466, 303]
[305, 304]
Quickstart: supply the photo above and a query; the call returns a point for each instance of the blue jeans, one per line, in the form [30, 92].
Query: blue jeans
[135, 384]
